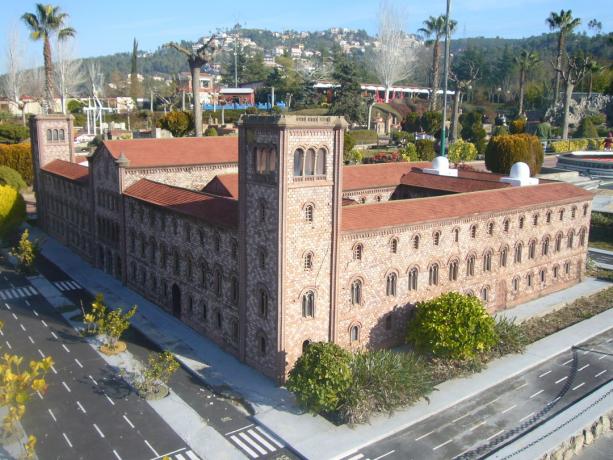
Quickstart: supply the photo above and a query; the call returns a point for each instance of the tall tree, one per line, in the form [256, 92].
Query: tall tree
[13, 80]
[572, 74]
[564, 23]
[394, 54]
[46, 22]
[526, 60]
[68, 71]
[593, 69]
[465, 70]
[434, 30]
[196, 58]
[135, 88]
[347, 100]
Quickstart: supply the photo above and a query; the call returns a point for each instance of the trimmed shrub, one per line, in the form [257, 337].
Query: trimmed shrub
[210, 132]
[19, 158]
[13, 133]
[177, 122]
[503, 151]
[500, 131]
[12, 209]
[321, 377]
[569, 145]
[425, 149]
[461, 151]
[364, 136]
[411, 122]
[595, 144]
[409, 152]
[517, 126]
[8, 176]
[452, 325]
[586, 129]
[383, 381]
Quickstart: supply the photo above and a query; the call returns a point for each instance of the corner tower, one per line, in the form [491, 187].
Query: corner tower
[51, 138]
[290, 206]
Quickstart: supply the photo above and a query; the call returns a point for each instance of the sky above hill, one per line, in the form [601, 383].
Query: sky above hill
[106, 27]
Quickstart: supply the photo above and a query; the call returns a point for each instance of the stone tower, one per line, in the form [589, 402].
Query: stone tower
[290, 206]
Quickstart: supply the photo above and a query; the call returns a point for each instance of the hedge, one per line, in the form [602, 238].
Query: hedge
[364, 136]
[425, 149]
[13, 133]
[19, 158]
[8, 176]
[12, 209]
[574, 145]
[505, 150]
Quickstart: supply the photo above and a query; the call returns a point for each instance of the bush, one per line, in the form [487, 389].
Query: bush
[517, 126]
[348, 143]
[411, 122]
[12, 209]
[321, 377]
[353, 157]
[178, 123]
[425, 149]
[569, 145]
[409, 152]
[461, 151]
[364, 136]
[402, 137]
[595, 144]
[500, 131]
[383, 381]
[511, 338]
[383, 157]
[210, 132]
[432, 122]
[75, 106]
[13, 133]
[26, 252]
[19, 158]
[472, 130]
[503, 151]
[8, 176]
[586, 129]
[452, 325]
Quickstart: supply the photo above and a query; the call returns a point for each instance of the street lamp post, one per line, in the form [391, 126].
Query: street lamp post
[446, 79]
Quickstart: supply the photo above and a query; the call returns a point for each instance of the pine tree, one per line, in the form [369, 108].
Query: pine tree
[135, 89]
[347, 100]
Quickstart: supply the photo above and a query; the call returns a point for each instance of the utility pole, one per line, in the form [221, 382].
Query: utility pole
[446, 79]
[236, 61]
[151, 103]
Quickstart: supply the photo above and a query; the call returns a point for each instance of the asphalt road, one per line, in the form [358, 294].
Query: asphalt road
[602, 258]
[226, 417]
[480, 425]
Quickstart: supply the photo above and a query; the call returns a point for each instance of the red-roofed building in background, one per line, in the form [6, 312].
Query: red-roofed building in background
[266, 242]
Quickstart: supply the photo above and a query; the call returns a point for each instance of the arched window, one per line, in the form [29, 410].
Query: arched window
[470, 266]
[453, 270]
[561, 214]
[490, 228]
[218, 283]
[433, 275]
[416, 242]
[518, 252]
[567, 268]
[573, 212]
[308, 304]
[61, 137]
[531, 249]
[356, 292]
[234, 289]
[485, 294]
[263, 303]
[262, 258]
[516, 284]
[456, 235]
[203, 272]
[545, 246]
[571, 239]
[55, 134]
[394, 245]
[235, 332]
[189, 269]
[358, 250]
[505, 225]
[390, 289]
[218, 319]
[503, 256]
[49, 135]
[299, 163]
[542, 276]
[522, 219]
[320, 168]
[585, 208]
[305, 345]
[556, 271]
[413, 274]
[558, 242]
[309, 163]
[473, 231]
[308, 261]
[308, 213]
[548, 217]
[354, 333]
[529, 277]
[436, 238]
[262, 345]
[582, 237]
[535, 220]
[487, 261]
[176, 263]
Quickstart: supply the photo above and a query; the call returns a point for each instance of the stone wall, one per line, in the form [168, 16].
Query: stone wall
[190, 177]
[575, 444]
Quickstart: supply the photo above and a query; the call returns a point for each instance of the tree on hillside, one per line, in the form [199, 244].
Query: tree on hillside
[347, 100]
[564, 23]
[196, 59]
[435, 27]
[572, 75]
[48, 21]
[526, 60]
[593, 69]
[135, 88]
[393, 56]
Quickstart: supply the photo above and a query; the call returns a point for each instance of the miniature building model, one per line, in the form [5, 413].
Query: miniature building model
[266, 242]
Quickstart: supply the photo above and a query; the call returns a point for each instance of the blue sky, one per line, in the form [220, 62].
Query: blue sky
[109, 26]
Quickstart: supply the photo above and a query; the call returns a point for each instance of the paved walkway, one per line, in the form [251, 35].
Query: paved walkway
[275, 407]
[602, 258]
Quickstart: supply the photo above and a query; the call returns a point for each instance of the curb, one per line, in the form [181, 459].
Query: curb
[600, 251]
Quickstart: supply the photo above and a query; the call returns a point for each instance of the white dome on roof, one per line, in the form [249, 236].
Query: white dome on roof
[440, 163]
[520, 170]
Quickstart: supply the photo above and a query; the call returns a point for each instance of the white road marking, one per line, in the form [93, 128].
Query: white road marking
[129, 422]
[168, 454]
[39, 395]
[478, 425]
[544, 374]
[252, 443]
[424, 435]
[460, 454]
[92, 379]
[7, 306]
[521, 386]
[31, 339]
[8, 345]
[586, 352]
[243, 446]
[34, 311]
[191, 455]
[54, 335]
[33, 291]
[602, 357]
[77, 361]
[240, 429]
[356, 457]
[81, 407]
[42, 355]
[22, 327]
[384, 455]
[269, 436]
[460, 418]
[14, 315]
[492, 401]
[152, 449]
[263, 441]
[52, 415]
[509, 408]
[28, 304]
[99, 431]
[443, 444]
[560, 380]
[180, 457]
[43, 321]
[526, 417]
[67, 440]
[65, 348]
[116, 454]
[566, 362]
[110, 400]
[581, 368]
[600, 373]
[1, 333]
[66, 386]
[494, 435]
[579, 386]
[53, 369]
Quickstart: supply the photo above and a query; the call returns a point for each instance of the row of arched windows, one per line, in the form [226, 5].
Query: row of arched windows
[56, 135]
[310, 162]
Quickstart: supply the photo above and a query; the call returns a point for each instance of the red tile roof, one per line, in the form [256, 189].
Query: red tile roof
[417, 178]
[181, 151]
[216, 210]
[223, 185]
[413, 211]
[72, 171]
[359, 177]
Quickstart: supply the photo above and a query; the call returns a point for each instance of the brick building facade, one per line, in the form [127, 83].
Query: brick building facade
[266, 242]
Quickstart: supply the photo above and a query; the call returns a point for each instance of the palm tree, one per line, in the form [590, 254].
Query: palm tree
[46, 22]
[564, 23]
[593, 69]
[526, 62]
[435, 27]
